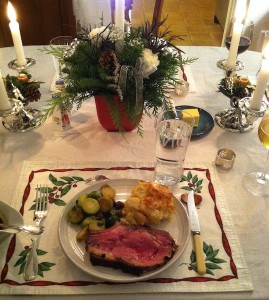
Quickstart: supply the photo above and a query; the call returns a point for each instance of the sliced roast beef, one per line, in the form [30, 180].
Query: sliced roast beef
[134, 249]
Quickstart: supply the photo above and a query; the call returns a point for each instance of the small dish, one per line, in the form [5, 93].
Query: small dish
[9, 216]
[206, 122]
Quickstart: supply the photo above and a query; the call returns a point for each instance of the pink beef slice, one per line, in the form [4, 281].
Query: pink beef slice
[134, 249]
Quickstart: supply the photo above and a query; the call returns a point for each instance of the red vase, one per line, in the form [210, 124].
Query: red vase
[104, 115]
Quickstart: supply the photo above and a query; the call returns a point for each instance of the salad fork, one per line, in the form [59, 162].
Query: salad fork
[41, 211]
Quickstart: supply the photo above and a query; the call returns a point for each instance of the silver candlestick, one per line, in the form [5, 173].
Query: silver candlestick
[19, 118]
[241, 117]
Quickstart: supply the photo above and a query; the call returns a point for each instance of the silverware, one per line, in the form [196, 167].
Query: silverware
[41, 211]
[197, 240]
[31, 229]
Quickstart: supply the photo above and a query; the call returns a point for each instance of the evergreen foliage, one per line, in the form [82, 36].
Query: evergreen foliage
[91, 71]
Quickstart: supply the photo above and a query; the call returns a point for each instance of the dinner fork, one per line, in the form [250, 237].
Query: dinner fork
[41, 211]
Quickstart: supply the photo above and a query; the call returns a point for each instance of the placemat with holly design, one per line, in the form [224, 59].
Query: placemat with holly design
[226, 267]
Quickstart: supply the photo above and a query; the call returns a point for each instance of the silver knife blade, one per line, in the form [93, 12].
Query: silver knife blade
[194, 221]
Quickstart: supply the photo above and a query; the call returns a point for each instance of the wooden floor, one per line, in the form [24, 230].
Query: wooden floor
[193, 20]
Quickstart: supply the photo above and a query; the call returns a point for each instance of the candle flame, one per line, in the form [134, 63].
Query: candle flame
[11, 12]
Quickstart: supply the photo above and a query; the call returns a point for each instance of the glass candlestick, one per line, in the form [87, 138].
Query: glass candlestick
[14, 66]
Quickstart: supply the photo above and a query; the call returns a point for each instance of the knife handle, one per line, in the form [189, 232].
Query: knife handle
[199, 254]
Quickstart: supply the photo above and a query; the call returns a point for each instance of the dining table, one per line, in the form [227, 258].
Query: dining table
[234, 222]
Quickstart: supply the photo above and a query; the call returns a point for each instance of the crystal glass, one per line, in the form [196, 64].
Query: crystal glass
[258, 182]
[60, 44]
[173, 133]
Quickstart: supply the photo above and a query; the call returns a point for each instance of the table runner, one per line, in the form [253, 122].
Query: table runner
[226, 267]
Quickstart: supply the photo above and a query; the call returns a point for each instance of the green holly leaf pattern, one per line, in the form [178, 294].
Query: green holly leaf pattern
[42, 267]
[211, 260]
[194, 183]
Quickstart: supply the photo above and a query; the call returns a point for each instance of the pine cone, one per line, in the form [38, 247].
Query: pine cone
[32, 94]
[108, 60]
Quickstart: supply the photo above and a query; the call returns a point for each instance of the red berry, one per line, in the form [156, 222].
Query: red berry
[55, 188]
[51, 200]
[51, 194]
[74, 185]
[57, 196]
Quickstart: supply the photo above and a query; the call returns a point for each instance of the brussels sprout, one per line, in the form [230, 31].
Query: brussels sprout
[106, 204]
[87, 221]
[96, 225]
[108, 192]
[81, 199]
[75, 215]
[95, 195]
[90, 206]
[82, 234]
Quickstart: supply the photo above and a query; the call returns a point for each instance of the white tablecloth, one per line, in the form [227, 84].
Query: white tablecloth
[87, 142]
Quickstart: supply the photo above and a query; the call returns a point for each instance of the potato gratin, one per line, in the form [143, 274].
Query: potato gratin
[149, 203]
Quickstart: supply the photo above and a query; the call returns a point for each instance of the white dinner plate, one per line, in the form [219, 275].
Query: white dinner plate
[178, 227]
[11, 216]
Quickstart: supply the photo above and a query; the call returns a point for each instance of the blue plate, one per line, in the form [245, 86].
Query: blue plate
[206, 123]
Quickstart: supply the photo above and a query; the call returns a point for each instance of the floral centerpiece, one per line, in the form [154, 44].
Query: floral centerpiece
[130, 71]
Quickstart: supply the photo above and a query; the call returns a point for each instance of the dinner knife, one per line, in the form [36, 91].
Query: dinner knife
[197, 240]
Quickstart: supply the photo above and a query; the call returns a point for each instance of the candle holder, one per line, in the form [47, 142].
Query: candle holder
[241, 117]
[14, 66]
[19, 118]
[230, 72]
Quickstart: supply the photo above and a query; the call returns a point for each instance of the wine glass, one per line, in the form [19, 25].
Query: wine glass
[245, 39]
[258, 182]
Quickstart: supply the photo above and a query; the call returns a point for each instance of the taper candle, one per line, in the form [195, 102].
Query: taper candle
[4, 101]
[262, 81]
[16, 35]
[236, 34]
[119, 13]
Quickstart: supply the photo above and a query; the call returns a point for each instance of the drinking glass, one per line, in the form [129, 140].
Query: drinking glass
[173, 133]
[245, 39]
[60, 44]
[258, 182]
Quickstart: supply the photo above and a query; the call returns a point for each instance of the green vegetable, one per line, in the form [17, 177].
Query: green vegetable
[75, 215]
[90, 206]
[108, 192]
[81, 199]
[94, 194]
[106, 204]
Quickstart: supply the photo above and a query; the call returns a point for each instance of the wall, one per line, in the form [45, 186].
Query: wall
[259, 13]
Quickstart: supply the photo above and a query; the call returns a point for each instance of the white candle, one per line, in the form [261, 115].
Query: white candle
[4, 102]
[119, 13]
[237, 30]
[263, 78]
[16, 35]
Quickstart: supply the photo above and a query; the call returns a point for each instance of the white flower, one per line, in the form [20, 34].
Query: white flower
[150, 63]
[98, 34]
